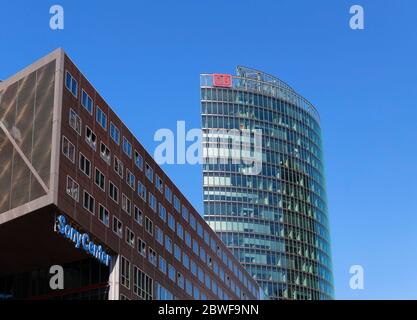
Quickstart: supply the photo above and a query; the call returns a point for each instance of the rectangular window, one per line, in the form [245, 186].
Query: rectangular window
[103, 215]
[152, 201]
[162, 265]
[149, 172]
[130, 237]
[193, 268]
[192, 221]
[159, 235]
[138, 160]
[177, 204]
[75, 121]
[73, 189]
[202, 254]
[177, 252]
[127, 147]
[187, 239]
[100, 179]
[126, 204]
[71, 84]
[180, 231]
[105, 153]
[200, 275]
[90, 138]
[141, 247]
[138, 216]
[118, 167]
[185, 260]
[149, 226]
[68, 149]
[200, 229]
[85, 165]
[185, 213]
[130, 179]
[113, 192]
[168, 194]
[171, 272]
[117, 227]
[125, 272]
[87, 102]
[142, 284]
[88, 202]
[162, 212]
[142, 190]
[188, 287]
[168, 244]
[159, 184]
[171, 222]
[114, 133]
[195, 246]
[152, 256]
[206, 237]
[101, 118]
[180, 280]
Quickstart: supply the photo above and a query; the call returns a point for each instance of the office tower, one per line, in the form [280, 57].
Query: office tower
[274, 218]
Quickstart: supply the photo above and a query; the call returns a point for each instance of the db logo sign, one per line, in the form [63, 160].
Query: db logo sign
[222, 80]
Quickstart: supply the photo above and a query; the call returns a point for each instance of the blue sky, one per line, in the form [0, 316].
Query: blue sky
[145, 58]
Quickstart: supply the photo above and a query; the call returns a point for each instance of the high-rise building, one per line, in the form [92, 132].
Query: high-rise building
[273, 218]
[78, 191]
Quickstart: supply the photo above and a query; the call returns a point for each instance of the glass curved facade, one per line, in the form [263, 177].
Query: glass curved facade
[275, 219]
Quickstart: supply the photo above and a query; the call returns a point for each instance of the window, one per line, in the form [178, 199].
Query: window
[171, 272]
[103, 215]
[200, 275]
[196, 293]
[162, 293]
[162, 212]
[152, 201]
[101, 118]
[130, 237]
[152, 256]
[142, 247]
[149, 226]
[125, 273]
[71, 84]
[187, 239]
[68, 149]
[180, 231]
[168, 194]
[73, 189]
[192, 221]
[126, 204]
[149, 172]
[87, 102]
[138, 216]
[193, 268]
[200, 229]
[127, 147]
[159, 184]
[113, 192]
[100, 179]
[142, 191]
[188, 287]
[88, 202]
[177, 204]
[85, 165]
[90, 138]
[142, 284]
[208, 281]
[159, 235]
[118, 167]
[203, 254]
[75, 121]
[185, 213]
[130, 179]
[114, 133]
[138, 160]
[171, 222]
[180, 280]
[206, 237]
[185, 261]
[162, 265]
[195, 246]
[117, 227]
[168, 244]
[177, 252]
[105, 153]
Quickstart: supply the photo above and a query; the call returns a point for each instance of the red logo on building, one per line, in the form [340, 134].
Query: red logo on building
[222, 80]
